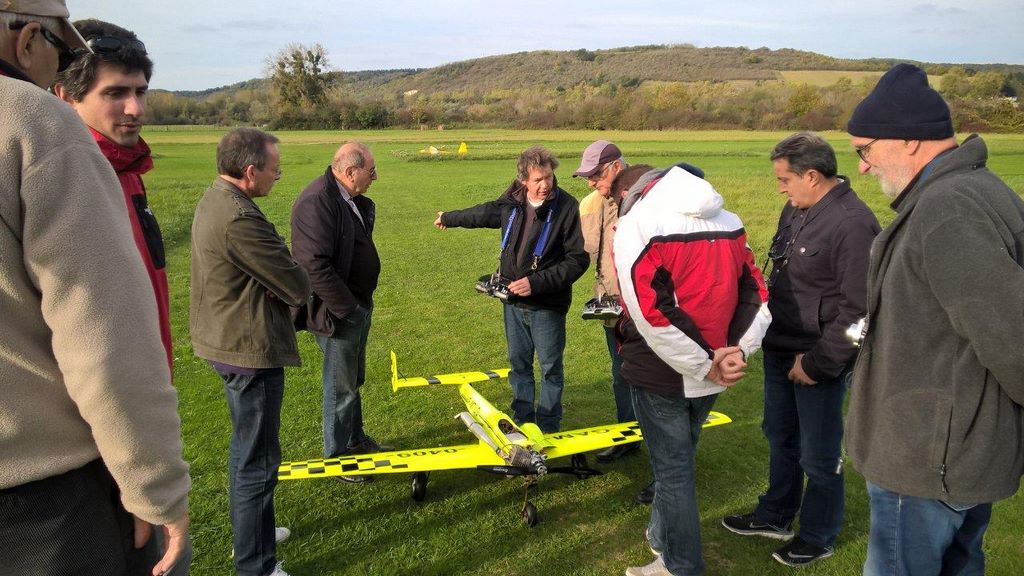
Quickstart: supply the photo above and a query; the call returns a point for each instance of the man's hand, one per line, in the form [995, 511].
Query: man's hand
[175, 537]
[727, 366]
[520, 287]
[797, 374]
[438, 223]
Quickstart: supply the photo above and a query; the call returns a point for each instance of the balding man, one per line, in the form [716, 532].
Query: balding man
[332, 237]
[90, 439]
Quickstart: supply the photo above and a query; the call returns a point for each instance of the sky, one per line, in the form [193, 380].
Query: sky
[199, 44]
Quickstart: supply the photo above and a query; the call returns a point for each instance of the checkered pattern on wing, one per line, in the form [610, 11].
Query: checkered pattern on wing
[336, 467]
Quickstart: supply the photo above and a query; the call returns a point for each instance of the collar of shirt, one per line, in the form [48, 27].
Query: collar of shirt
[348, 199]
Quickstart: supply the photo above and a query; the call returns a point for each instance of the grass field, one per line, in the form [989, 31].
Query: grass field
[427, 311]
[830, 77]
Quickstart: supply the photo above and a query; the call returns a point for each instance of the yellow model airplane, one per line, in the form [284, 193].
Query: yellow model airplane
[503, 447]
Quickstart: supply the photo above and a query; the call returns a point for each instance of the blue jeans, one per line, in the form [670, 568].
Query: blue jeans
[671, 427]
[543, 332]
[254, 456]
[344, 373]
[913, 536]
[804, 428]
[623, 398]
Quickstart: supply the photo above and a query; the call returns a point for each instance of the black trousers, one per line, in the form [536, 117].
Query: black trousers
[72, 524]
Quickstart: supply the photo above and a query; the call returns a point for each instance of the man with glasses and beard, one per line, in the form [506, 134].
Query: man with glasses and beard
[935, 416]
[816, 289]
[90, 439]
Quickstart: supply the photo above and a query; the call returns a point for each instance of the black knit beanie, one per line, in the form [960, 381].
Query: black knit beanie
[902, 107]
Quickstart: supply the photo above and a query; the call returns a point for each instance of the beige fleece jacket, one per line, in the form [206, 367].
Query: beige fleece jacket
[83, 374]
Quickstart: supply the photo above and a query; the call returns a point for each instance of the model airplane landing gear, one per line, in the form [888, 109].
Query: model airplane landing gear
[578, 467]
[529, 514]
[419, 486]
[529, 511]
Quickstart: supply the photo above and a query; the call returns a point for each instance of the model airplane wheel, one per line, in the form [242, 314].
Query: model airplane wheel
[529, 514]
[419, 486]
[579, 462]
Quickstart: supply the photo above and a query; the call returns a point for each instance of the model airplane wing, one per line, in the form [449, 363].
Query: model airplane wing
[456, 379]
[587, 439]
[399, 461]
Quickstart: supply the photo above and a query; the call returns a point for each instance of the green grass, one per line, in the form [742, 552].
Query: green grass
[427, 310]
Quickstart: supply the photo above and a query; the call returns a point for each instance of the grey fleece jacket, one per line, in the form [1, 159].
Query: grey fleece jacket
[935, 409]
[83, 372]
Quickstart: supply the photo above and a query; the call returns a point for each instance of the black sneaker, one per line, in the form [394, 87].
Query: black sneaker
[646, 496]
[749, 525]
[800, 553]
[368, 446]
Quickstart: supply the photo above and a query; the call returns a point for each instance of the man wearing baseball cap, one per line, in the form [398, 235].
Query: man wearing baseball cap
[38, 41]
[601, 163]
[90, 439]
[937, 401]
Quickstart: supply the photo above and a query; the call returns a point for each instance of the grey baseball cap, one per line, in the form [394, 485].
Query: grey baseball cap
[52, 8]
[596, 155]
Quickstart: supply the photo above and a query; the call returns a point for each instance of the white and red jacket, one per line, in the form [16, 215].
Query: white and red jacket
[688, 283]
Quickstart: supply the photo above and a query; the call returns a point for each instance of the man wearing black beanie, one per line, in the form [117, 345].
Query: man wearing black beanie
[934, 422]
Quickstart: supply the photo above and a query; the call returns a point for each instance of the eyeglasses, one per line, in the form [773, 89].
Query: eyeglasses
[65, 54]
[862, 151]
[601, 170]
[114, 43]
[373, 172]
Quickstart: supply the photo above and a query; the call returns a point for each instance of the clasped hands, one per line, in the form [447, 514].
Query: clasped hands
[727, 366]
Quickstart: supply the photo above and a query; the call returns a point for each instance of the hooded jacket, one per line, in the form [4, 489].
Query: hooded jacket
[563, 261]
[688, 282]
[938, 387]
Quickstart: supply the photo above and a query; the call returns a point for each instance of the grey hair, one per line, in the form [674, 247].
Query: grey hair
[535, 157]
[7, 18]
[807, 151]
[243, 147]
[353, 158]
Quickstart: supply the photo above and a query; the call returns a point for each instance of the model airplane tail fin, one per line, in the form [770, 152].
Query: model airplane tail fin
[456, 379]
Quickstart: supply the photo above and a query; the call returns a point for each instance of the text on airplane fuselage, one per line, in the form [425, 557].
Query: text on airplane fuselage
[578, 434]
[432, 452]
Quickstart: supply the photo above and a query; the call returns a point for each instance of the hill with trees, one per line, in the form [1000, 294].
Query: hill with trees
[640, 87]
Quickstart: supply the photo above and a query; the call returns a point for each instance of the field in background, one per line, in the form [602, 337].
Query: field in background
[427, 311]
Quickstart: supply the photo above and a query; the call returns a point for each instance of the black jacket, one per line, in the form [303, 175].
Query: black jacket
[563, 261]
[323, 242]
[818, 283]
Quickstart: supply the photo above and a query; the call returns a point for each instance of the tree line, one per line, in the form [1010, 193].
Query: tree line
[302, 93]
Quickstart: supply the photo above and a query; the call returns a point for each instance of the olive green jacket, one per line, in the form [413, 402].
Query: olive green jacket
[244, 280]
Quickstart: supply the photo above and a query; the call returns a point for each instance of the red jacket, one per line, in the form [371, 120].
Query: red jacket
[130, 164]
[689, 285]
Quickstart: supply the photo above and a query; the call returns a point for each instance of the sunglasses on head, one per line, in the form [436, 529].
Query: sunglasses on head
[101, 44]
[65, 53]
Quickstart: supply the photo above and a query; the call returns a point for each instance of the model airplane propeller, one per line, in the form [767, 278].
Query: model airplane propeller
[503, 447]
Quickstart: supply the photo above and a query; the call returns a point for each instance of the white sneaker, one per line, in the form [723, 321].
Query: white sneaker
[280, 535]
[278, 570]
[656, 568]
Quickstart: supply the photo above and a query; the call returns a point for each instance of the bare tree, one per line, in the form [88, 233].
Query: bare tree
[298, 74]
